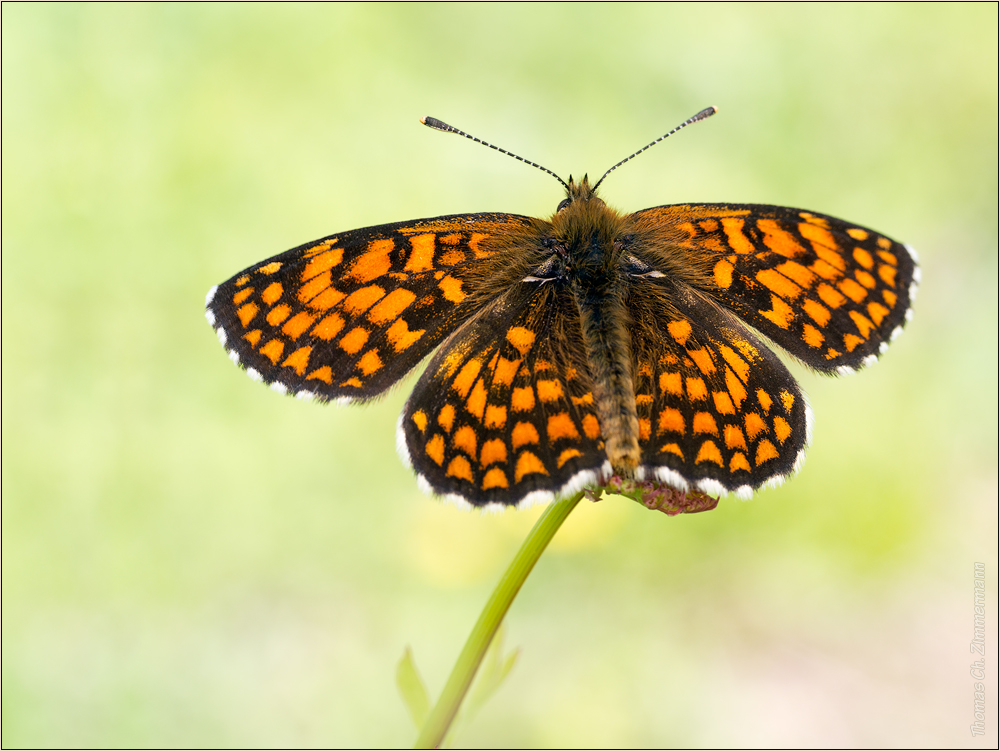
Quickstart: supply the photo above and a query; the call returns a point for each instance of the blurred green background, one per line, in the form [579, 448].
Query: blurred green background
[190, 559]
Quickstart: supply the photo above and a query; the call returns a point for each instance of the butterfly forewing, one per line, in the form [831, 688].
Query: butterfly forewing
[831, 293]
[348, 315]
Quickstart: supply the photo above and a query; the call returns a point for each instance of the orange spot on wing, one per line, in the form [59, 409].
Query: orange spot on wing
[505, 370]
[779, 284]
[709, 452]
[522, 399]
[670, 420]
[864, 278]
[671, 383]
[723, 402]
[253, 337]
[370, 362]
[566, 455]
[446, 417]
[421, 256]
[739, 462]
[391, 306]
[524, 433]
[703, 359]
[812, 336]
[704, 423]
[863, 257]
[851, 342]
[528, 464]
[817, 312]
[877, 312]
[780, 314]
[496, 416]
[782, 429]
[329, 327]
[787, 399]
[679, 330]
[452, 290]
[778, 240]
[734, 438]
[591, 428]
[298, 324]
[830, 296]
[272, 293]
[420, 420]
[765, 452]
[246, 313]
[561, 426]
[476, 402]
[696, 390]
[360, 300]
[858, 234]
[354, 340]
[400, 336]
[736, 237]
[887, 274]
[466, 377]
[493, 451]
[723, 273]
[459, 467]
[852, 289]
[864, 325]
[521, 339]
[321, 374]
[549, 391]
[373, 263]
[672, 448]
[273, 350]
[321, 262]
[754, 424]
[299, 359]
[242, 295]
[765, 400]
[465, 439]
[269, 268]
[890, 298]
[277, 314]
[495, 478]
[435, 449]
[798, 273]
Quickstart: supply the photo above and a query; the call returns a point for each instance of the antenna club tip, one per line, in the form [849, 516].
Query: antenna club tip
[707, 112]
[433, 122]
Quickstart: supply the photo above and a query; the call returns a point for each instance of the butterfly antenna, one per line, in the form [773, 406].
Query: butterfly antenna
[433, 122]
[704, 114]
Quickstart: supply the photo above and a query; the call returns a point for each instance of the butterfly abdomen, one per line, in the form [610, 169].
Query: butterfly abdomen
[605, 320]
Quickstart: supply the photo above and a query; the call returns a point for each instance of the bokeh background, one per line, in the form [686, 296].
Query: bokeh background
[190, 559]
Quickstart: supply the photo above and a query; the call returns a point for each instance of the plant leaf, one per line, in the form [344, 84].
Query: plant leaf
[412, 689]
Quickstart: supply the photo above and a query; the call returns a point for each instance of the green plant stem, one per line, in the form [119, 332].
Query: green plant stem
[440, 719]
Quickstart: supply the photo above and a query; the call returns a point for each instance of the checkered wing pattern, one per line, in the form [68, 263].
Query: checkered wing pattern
[831, 293]
[348, 315]
[718, 411]
[504, 413]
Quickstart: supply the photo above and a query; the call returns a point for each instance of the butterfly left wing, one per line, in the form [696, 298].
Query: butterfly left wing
[348, 315]
[504, 414]
[829, 292]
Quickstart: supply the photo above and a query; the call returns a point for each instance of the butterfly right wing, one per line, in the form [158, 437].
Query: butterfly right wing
[829, 292]
[348, 315]
[717, 409]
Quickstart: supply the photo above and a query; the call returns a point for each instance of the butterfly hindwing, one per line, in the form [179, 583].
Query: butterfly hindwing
[718, 411]
[348, 315]
[504, 413]
[831, 293]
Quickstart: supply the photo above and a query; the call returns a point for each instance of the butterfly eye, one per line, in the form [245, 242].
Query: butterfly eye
[562, 205]
[636, 268]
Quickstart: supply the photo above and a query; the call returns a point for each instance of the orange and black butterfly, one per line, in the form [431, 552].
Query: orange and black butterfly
[571, 349]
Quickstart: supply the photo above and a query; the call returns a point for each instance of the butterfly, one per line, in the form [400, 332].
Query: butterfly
[591, 345]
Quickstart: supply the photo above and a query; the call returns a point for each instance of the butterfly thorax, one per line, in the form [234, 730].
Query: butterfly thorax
[587, 244]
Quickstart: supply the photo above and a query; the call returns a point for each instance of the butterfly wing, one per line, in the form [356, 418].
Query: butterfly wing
[718, 411]
[504, 413]
[348, 315]
[831, 293]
